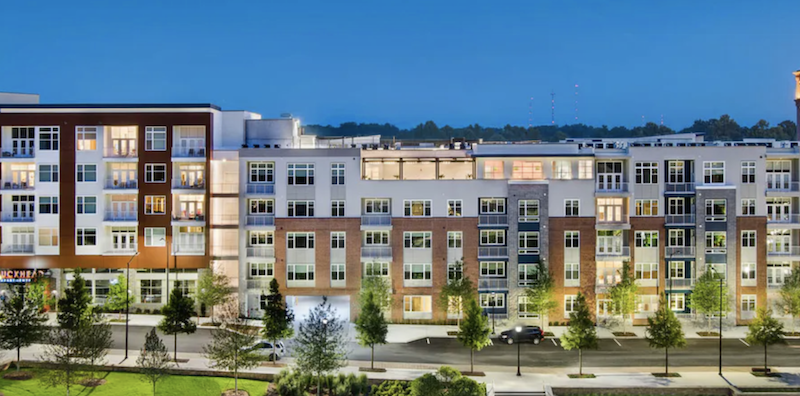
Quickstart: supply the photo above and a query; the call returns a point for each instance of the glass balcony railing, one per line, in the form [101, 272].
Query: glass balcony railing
[260, 220]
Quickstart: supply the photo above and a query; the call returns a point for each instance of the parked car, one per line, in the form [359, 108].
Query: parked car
[532, 334]
[265, 348]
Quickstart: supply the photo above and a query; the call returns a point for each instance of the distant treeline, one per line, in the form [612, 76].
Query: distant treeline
[723, 128]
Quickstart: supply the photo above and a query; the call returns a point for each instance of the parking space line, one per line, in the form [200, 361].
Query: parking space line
[615, 340]
[554, 341]
[743, 342]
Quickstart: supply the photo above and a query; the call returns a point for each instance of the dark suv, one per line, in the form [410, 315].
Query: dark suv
[532, 334]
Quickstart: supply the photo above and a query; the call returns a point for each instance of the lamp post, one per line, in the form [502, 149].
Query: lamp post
[720, 325]
[166, 266]
[518, 330]
[55, 297]
[128, 299]
[493, 304]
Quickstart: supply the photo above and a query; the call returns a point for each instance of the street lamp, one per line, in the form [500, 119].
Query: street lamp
[720, 318]
[493, 304]
[518, 333]
[55, 297]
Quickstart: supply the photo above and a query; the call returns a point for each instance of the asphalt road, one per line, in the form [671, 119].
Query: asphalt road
[628, 353]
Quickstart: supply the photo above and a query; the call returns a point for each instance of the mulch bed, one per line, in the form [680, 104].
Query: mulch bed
[210, 324]
[231, 392]
[372, 370]
[18, 375]
[763, 374]
[271, 364]
[623, 334]
[665, 375]
[452, 333]
[473, 373]
[179, 360]
[580, 376]
[93, 382]
[708, 334]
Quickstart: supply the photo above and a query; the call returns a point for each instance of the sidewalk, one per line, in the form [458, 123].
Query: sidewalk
[533, 379]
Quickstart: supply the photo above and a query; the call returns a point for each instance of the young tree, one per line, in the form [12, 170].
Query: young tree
[765, 330]
[153, 361]
[75, 309]
[623, 295]
[458, 289]
[94, 342]
[278, 318]
[790, 297]
[62, 350]
[664, 330]
[178, 317]
[541, 295]
[706, 296]
[212, 290]
[371, 326]
[118, 296]
[474, 330]
[581, 333]
[380, 288]
[21, 324]
[320, 346]
[232, 350]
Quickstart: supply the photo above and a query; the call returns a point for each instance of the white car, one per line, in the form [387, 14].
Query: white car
[265, 348]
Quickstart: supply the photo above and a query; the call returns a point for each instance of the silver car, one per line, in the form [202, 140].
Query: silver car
[265, 348]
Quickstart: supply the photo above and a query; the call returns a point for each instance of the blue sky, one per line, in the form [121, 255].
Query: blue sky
[454, 62]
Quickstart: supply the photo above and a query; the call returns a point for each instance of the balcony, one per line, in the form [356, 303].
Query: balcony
[17, 217]
[618, 222]
[683, 219]
[486, 284]
[197, 185]
[189, 248]
[624, 251]
[116, 215]
[376, 252]
[492, 220]
[18, 186]
[17, 249]
[783, 187]
[260, 251]
[680, 283]
[376, 220]
[260, 189]
[679, 188]
[19, 153]
[783, 219]
[188, 152]
[784, 251]
[116, 184]
[260, 220]
[488, 252]
[188, 217]
[616, 187]
[261, 284]
[111, 152]
[126, 249]
[679, 251]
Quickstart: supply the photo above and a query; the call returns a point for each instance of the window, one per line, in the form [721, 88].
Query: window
[300, 174]
[378, 238]
[337, 272]
[300, 272]
[48, 205]
[337, 208]
[646, 303]
[719, 271]
[715, 209]
[493, 268]
[258, 270]
[299, 240]
[492, 300]
[86, 173]
[528, 274]
[261, 207]
[375, 206]
[779, 174]
[677, 237]
[647, 207]
[155, 204]
[714, 172]
[677, 270]
[493, 170]
[417, 240]
[417, 304]
[777, 273]
[572, 239]
[454, 239]
[570, 303]
[155, 236]
[49, 173]
[677, 302]
[300, 208]
[748, 271]
[454, 208]
[455, 271]
[86, 237]
[493, 205]
[337, 174]
[155, 173]
[646, 239]
[748, 171]
[528, 243]
[748, 207]
[609, 210]
[525, 308]
[86, 138]
[417, 271]
[562, 169]
[150, 291]
[417, 208]
[585, 169]
[748, 303]
[572, 207]
[646, 271]
[779, 241]
[528, 210]
[527, 170]
[262, 172]
[85, 205]
[676, 172]
[260, 238]
[155, 138]
[376, 269]
[572, 271]
[646, 173]
[187, 287]
[48, 237]
[748, 239]
[493, 237]
[338, 240]
[48, 138]
[716, 240]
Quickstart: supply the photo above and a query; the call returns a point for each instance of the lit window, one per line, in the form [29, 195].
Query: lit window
[155, 204]
[562, 169]
[646, 271]
[647, 207]
[493, 170]
[417, 240]
[646, 239]
[454, 208]
[417, 208]
[585, 169]
[527, 170]
[86, 138]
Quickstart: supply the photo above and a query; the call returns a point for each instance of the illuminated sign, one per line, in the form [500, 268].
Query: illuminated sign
[21, 276]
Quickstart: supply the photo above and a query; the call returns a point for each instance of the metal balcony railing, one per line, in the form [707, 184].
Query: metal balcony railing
[492, 251]
[680, 219]
[17, 248]
[376, 220]
[376, 252]
[259, 283]
[19, 153]
[260, 220]
[680, 282]
[784, 251]
[17, 217]
[623, 251]
[492, 284]
[623, 219]
[117, 184]
[492, 220]
[783, 186]
[178, 183]
[126, 248]
[783, 219]
[261, 251]
[115, 215]
[10, 185]
[680, 188]
[611, 187]
[111, 152]
[261, 188]
[189, 217]
[679, 251]
[188, 152]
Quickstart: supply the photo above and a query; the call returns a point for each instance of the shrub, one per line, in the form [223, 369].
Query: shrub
[292, 383]
[391, 388]
[147, 311]
[427, 385]
[137, 310]
[447, 374]
[156, 311]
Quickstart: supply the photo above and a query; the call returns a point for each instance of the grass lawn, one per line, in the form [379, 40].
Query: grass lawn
[130, 384]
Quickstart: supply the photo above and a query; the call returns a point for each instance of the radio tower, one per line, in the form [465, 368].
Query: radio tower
[530, 113]
[576, 103]
[662, 119]
[552, 107]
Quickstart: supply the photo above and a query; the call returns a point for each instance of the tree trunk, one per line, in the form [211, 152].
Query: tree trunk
[18, 359]
[154, 388]
[666, 364]
[236, 382]
[471, 360]
[176, 348]
[319, 385]
[274, 352]
[212, 315]
[580, 362]
[372, 358]
[765, 358]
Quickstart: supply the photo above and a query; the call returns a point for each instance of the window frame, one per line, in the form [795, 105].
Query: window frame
[748, 172]
[152, 204]
[528, 242]
[709, 174]
[572, 207]
[652, 206]
[51, 205]
[291, 173]
[337, 208]
[292, 239]
[409, 237]
[292, 207]
[409, 204]
[500, 237]
[454, 208]
[81, 204]
[646, 172]
[150, 172]
[151, 137]
[337, 173]
[81, 235]
[572, 239]
[525, 205]
[52, 172]
[81, 172]
[492, 269]
[150, 237]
